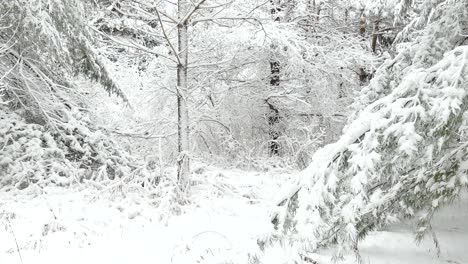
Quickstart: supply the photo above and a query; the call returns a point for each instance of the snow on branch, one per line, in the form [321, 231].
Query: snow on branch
[400, 154]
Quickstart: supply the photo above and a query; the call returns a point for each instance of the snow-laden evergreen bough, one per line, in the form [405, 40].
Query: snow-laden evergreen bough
[404, 152]
[32, 154]
[46, 136]
[43, 44]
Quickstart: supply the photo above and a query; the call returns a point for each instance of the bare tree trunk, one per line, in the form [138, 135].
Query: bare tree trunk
[273, 120]
[273, 114]
[276, 9]
[375, 34]
[310, 7]
[183, 162]
[362, 24]
[362, 31]
[319, 10]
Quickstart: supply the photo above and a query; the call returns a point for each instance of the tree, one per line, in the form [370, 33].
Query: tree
[44, 44]
[230, 77]
[183, 165]
[158, 19]
[46, 135]
[288, 99]
[405, 147]
[275, 69]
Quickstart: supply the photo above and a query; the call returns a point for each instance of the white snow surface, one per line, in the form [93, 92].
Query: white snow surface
[229, 210]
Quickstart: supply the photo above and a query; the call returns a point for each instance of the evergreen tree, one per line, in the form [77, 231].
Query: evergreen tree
[44, 44]
[405, 148]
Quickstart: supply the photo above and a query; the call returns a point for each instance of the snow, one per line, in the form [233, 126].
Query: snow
[229, 210]
[397, 244]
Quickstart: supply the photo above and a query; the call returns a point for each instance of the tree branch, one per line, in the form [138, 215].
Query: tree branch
[190, 14]
[167, 37]
[132, 45]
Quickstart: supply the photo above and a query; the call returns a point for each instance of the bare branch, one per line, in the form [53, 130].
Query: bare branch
[141, 136]
[167, 37]
[190, 14]
[133, 45]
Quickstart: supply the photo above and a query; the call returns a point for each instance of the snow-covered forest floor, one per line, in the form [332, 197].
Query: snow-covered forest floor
[228, 211]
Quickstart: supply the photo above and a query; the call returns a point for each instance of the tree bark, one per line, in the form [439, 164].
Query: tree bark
[362, 25]
[375, 34]
[362, 31]
[183, 162]
[276, 10]
[319, 10]
[274, 133]
[273, 114]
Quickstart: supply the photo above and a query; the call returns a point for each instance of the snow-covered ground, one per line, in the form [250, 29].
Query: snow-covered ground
[398, 246]
[229, 209]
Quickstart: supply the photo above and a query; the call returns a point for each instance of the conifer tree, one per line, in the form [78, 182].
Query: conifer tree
[404, 149]
[44, 45]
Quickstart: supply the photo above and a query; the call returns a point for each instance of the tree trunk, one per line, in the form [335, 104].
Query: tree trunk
[274, 133]
[346, 14]
[362, 25]
[375, 34]
[362, 31]
[319, 10]
[273, 115]
[183, 162]
[276, 10]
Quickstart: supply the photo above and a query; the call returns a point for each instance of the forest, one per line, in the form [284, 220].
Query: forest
[234, 131]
